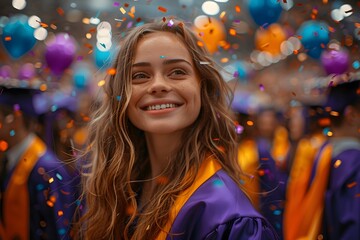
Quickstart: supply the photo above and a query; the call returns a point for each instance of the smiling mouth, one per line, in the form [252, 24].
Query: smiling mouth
[161, 106]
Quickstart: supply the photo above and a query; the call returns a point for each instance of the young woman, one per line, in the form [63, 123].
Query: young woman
[162, 155]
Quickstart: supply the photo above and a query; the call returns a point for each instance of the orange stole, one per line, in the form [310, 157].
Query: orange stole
[303, 206]
[248, 159]
[207, 169]
[16, 199]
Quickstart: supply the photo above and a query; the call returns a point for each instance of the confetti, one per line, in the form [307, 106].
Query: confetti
[59, 176]
[170, 23]
[111, 71]
[162, 9]
[218, 183]
[118, 98]
[237, 8]
[337, 163]
[3, 145]
[204, 63]
[60, 213]
[101, 83]
[262, 88]
[60, 11]
[351, 185]
[12, 133]
[7, 38]
[51, 180]
[162, 56]
[122, 10]
[116, 4]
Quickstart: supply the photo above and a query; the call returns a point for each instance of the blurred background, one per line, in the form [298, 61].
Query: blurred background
[276, 50]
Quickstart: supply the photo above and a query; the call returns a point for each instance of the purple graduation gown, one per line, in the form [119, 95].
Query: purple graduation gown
[51, 221]
[342, 199]
[219, 209]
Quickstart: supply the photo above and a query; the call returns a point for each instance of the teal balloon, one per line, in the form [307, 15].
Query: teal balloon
[81, 77]
[18, 37]
[104, 59]
[264, 12]
[315, 36]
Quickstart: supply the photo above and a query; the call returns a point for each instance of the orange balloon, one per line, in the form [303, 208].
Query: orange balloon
[270, 39]
[211, 31]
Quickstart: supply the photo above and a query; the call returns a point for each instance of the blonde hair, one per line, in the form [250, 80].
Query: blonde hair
[117, 151]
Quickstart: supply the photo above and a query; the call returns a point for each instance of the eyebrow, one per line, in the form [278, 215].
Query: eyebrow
[165, 62]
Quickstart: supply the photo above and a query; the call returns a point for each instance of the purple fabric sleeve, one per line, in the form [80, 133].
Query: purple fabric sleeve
[342, 199]
[220, 210]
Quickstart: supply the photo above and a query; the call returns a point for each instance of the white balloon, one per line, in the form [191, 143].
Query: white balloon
[40, 33]
[104, 25]
[210, 8]
[19, 4]
[34, 21]
[346, 10]
[337, 15]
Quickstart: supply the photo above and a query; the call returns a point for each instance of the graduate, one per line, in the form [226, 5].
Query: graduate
[263, 159]
[162, 156]
[325, 200]
[38, 194]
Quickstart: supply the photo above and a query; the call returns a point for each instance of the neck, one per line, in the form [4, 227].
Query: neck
[160, 148]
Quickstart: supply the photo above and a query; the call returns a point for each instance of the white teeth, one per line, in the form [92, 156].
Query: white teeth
[161, 106]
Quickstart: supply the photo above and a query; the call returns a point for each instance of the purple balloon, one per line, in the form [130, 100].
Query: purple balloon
[60, 53]
[26, 71]
[335, 61]
[6, 71]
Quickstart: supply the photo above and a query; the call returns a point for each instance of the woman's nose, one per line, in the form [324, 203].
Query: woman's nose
[159, 84]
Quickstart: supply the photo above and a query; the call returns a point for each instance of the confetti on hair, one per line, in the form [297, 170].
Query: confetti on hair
[337, 163]
[111, 71]
[101, 83]
[204, 63]
[261, 87]
[170, 23]
[200, 43]
[162, 9]
[162, 56]
[118, 98]
[162, 180]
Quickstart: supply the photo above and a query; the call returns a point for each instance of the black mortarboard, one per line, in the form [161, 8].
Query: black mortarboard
[23, 99]
[342, 95]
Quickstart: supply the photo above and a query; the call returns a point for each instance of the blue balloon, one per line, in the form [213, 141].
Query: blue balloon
[103, 59]
[18, 37]
[314, 37]
[265, 12]
[81, 77]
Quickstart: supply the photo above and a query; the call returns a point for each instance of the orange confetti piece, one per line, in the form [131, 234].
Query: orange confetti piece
[224, 60]
[264, 159]
[237, 8]
[50, 203]
[350, 185]
[60, 213]
[200, 43]
[8, 38]
[51, 180]
[261, 172]
[88, 45]
[53, 26]
[337, 163]
[296, 52]
[232, 32]
[162, 9]
[3, 146]
[162, 180]
[131, 15]
[44, 25]
[111, 71]
[130, 210]
[60, 11]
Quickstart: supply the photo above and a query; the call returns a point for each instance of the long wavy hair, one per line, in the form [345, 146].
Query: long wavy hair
[117, 153]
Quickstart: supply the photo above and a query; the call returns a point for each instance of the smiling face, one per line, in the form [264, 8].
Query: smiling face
[165, 85]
